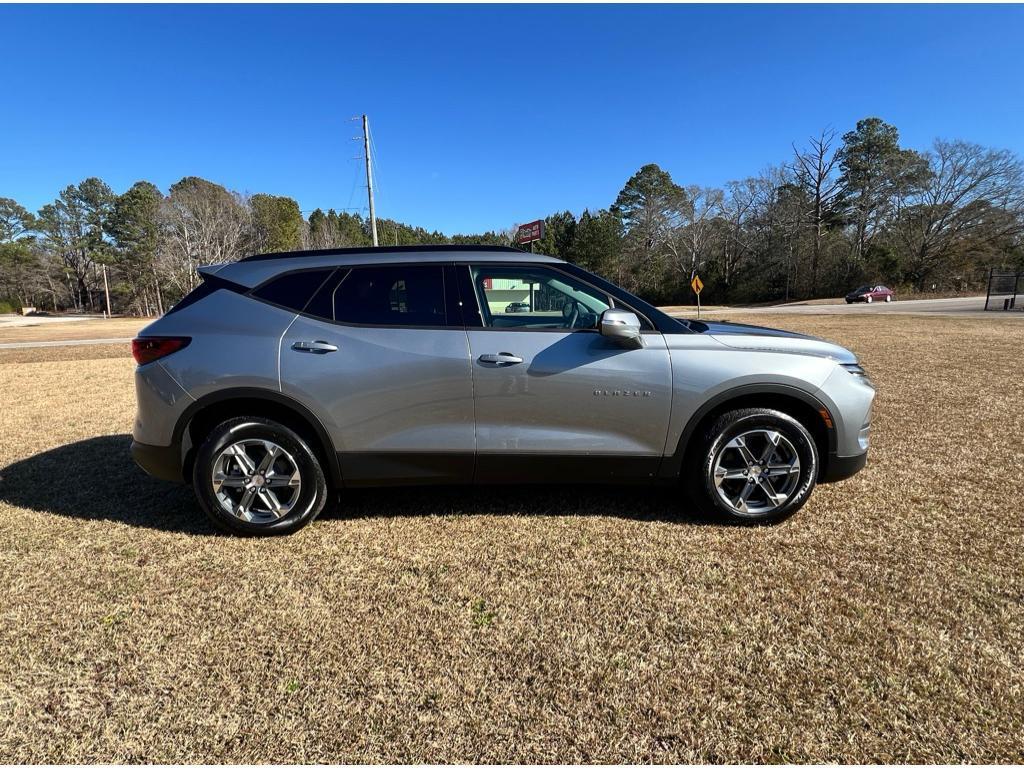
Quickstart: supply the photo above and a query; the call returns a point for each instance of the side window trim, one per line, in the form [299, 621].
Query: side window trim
[456, 279]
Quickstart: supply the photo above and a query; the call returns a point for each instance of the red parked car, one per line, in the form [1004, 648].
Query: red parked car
[870, 294]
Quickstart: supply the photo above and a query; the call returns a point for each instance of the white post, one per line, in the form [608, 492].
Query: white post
[106, 289]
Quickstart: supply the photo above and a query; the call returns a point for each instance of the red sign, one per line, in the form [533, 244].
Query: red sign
[528, 233]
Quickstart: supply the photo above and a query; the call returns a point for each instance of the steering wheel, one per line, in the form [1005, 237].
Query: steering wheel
[570, 313]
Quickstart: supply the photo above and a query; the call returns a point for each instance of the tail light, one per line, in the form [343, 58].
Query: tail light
[146, 349]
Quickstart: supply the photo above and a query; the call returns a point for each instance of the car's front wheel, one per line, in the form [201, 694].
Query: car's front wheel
[755, 465]
[869, 299]
[255, 476]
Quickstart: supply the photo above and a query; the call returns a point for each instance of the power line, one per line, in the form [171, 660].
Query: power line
[375, 162]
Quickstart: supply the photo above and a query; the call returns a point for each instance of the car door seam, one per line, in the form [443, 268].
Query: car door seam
[671, 402]
[472, 391]
[280, 342]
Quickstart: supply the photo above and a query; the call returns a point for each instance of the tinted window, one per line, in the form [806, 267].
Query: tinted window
[404, 294]
[293, 290]
[197, 294]
[322, 304]
[536, 297]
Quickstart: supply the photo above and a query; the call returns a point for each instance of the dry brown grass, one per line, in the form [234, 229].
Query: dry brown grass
[65, 354]
[114, 328]
[883, 622]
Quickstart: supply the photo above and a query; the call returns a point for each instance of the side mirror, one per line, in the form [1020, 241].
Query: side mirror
[622, 326]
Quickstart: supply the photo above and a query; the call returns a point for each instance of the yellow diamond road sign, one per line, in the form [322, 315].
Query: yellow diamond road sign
[696, 284]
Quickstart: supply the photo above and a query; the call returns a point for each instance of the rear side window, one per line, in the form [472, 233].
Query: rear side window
[211, 284]
[293, 290]
[198, 293]
[404, 294]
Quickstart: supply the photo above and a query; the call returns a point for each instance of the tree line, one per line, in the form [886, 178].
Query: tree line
[840, 211]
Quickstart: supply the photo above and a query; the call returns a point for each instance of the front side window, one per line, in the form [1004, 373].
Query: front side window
[533, 297]
[404, 294]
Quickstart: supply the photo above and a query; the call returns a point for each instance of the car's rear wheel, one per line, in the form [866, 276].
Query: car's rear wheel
[255, 476]
[888, 298]
[755, 465]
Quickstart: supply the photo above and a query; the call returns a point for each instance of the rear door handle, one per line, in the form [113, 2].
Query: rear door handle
[502, 358]
[315, 347]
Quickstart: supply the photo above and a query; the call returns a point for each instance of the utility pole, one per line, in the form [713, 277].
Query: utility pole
[369, 178]
[106, 289]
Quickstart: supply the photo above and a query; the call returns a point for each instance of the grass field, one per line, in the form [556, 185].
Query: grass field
[114, 328]
[884, 622]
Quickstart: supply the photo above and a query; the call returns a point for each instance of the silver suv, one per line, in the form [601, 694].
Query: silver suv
[284, 379]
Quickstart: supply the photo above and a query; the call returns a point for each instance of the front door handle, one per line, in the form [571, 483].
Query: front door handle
[315, 347]
[502, 358]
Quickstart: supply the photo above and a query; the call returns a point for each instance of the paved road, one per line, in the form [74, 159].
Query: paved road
[973, 306]
[19, 321]
[68, 343]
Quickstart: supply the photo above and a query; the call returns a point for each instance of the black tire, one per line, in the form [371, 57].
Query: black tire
[700, 481]
[312, 493]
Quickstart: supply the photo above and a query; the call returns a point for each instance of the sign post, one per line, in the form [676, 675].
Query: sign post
[698, 286]
[530, 233]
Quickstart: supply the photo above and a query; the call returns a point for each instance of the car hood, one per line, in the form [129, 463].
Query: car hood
[757, 338]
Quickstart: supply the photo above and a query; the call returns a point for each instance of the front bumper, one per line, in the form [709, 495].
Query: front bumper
[160, 461]
[842, 467]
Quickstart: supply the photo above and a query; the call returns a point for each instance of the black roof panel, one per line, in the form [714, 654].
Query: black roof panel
[386, 249]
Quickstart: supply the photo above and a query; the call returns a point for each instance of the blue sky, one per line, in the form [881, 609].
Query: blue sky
[482, 116]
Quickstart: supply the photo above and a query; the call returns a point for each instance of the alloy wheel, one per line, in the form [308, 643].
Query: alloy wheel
[257, 481]
[756, 472]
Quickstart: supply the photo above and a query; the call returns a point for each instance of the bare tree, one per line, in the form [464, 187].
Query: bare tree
[202, 223]
[972, 197]
[696, 236]
[741, 204]
[814, 169]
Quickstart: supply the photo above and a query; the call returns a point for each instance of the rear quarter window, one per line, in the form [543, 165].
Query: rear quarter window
[293, 290]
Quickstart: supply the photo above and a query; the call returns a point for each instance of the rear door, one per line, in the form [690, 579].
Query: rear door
[381, 353]
[554, 399]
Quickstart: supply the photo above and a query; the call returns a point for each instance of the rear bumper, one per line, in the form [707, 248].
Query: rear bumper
[160, 461]
[842, 467]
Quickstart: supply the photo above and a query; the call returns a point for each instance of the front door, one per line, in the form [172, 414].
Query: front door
[381, 353]
[554, 399]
